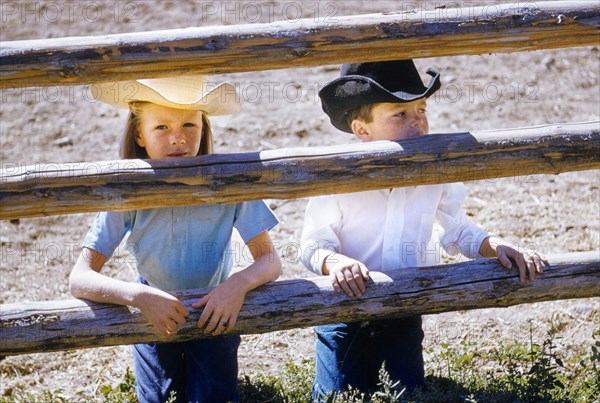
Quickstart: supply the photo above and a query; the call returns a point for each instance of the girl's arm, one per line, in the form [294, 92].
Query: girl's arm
[223, 304]
[161, 309]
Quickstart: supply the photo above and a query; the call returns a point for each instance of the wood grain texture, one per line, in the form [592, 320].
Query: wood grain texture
[411, 32]
[50, 189]
[35, 327]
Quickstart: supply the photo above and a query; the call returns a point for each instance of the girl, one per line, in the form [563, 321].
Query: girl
[178, 248]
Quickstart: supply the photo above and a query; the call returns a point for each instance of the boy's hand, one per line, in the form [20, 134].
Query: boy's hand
[222, 306]
[527, 261]
[165, 312]
[346, 274]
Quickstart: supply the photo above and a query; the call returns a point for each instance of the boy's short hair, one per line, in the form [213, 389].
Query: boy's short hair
[363, 112]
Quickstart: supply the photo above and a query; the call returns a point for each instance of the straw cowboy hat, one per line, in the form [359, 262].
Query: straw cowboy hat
[184, 92]
[373, 82]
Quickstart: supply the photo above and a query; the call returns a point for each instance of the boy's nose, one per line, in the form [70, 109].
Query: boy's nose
[416, 120]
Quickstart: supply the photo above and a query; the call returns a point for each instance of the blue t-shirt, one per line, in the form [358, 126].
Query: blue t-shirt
[183, 247]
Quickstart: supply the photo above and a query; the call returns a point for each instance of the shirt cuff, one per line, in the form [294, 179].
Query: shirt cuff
[318, 258]
[477, 243]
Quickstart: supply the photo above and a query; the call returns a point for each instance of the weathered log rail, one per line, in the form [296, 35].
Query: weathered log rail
[48, 189]
[36, 327]
[408, 33]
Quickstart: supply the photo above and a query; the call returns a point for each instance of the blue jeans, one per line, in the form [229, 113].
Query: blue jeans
[198, 371]
[352, 354]
[203, 370]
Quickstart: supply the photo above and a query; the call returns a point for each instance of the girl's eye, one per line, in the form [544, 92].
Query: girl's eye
[161, 127]
[189, 125]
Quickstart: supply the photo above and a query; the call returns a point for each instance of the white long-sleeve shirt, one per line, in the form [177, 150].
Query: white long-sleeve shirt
[390, 228]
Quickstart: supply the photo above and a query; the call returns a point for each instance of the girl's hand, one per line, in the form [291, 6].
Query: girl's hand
[347, 274]
[221, 306]
[165, 312]
[527, 261]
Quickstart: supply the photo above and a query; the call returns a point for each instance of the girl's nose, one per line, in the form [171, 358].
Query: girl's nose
[177, 138]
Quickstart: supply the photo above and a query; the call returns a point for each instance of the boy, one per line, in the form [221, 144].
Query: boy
[347, 235]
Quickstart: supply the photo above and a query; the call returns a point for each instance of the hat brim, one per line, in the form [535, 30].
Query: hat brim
[223, 99]
[349, 92]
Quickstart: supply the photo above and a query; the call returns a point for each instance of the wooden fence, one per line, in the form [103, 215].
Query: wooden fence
[61, 325]
[120, 185]
[47, 189]
[228, 49]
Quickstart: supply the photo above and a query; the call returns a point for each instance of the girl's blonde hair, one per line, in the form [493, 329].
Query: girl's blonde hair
[130, 148]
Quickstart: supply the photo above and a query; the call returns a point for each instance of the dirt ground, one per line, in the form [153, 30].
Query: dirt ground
[554, 213]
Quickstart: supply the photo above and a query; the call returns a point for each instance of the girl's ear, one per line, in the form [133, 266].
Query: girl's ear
[139, 140]
[359, 129]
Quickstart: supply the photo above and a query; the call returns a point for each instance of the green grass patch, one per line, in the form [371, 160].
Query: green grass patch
[520, 371]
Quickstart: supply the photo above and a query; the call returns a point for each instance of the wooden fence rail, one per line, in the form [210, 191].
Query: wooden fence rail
[48, 189]
[412, 32]
[36, 327]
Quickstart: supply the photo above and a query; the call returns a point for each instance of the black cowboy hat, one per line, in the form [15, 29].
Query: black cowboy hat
[373, 82]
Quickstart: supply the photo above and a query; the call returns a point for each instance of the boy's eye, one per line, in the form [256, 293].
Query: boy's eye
[161, 127]
[401, 114]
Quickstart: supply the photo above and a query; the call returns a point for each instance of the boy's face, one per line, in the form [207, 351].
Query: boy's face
[170, 133]
[394, 121]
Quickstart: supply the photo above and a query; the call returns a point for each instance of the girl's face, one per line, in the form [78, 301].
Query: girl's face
[394, 121]
[170, 133]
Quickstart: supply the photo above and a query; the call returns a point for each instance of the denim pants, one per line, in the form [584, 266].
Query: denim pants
[198, 371]
[352, 354]
[203, 370]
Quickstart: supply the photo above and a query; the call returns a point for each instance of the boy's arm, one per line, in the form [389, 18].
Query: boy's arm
[319, 235]
[460, 233]
[473, 240]
[161, 309]
[222, 305]
[526, 261]
[320, 243]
